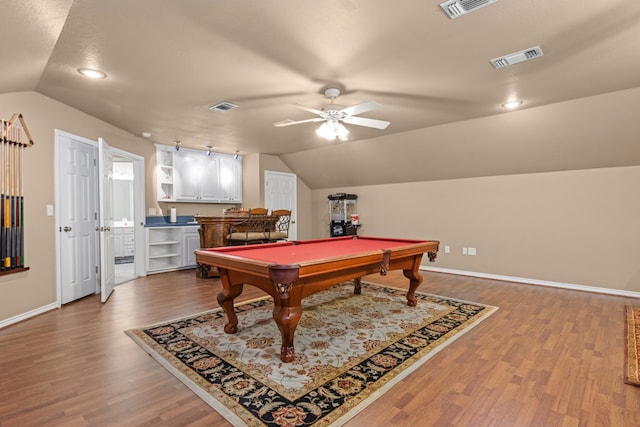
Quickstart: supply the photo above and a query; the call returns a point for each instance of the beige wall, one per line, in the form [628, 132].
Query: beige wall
[577, 227]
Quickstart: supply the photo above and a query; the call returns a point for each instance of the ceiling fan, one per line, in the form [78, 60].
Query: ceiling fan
[334, 115]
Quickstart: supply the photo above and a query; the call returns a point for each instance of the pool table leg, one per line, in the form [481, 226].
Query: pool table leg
[225, 299]
[287, 314]
[415, 279]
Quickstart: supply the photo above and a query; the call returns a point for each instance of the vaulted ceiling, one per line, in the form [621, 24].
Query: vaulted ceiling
[168, 61]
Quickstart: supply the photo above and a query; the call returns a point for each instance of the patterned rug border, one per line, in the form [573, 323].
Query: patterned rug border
[235, 420]
[631, 356]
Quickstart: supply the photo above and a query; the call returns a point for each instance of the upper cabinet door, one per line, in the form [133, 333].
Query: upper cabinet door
[210, 178]
[188, 170]
[230, 178]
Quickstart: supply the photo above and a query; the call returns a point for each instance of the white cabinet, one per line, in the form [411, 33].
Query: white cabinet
[194, 176]
[190, 244]
[123, 241]
[166, 247]
[197, 176]
[128, 241]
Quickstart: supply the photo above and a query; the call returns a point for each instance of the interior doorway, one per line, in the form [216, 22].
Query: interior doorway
[128, 215]
[281, 193]
[80, 253]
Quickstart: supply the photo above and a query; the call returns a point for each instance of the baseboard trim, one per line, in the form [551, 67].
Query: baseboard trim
[537, 282]
[28, 314]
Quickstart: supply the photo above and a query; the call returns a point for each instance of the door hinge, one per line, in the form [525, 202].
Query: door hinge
[96, 269]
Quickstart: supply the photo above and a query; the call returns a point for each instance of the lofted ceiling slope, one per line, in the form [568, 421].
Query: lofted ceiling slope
[168, 61]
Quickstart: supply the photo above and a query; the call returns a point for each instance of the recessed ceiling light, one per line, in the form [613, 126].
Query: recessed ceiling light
[146, 134]
[511, 105]
[91, 73]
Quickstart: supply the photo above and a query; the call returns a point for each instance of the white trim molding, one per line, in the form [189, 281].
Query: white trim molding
[571, 286]
[28, 314]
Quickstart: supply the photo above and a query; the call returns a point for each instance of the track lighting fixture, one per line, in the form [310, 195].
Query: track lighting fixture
[235, 155]
[177, 145]
[208, 150]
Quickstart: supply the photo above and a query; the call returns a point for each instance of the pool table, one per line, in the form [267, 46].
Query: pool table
[291, 271]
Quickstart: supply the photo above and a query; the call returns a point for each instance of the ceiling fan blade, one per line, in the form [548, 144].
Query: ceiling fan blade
[361, 108]
[311, 110]
[290, 122]
[362, 121]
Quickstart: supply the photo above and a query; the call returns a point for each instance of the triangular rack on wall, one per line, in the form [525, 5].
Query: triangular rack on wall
[16, 138]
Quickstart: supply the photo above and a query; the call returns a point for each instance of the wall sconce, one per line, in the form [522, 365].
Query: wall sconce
[177, 145]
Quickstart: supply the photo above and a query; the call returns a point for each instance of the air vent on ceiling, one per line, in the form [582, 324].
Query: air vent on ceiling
[223, 107]
[514, 58]
[456, 8]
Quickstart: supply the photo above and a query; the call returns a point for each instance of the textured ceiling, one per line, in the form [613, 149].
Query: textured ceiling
[167, 61]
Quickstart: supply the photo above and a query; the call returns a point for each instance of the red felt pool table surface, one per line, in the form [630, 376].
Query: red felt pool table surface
[287, 253]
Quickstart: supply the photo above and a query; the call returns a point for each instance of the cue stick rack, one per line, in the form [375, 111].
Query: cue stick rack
[14, 138]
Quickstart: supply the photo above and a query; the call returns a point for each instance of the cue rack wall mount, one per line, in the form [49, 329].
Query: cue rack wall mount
[14, 138]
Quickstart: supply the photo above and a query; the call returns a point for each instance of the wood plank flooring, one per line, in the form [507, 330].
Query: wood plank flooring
[547, 357]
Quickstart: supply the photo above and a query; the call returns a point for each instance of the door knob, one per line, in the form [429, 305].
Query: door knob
[66, 228]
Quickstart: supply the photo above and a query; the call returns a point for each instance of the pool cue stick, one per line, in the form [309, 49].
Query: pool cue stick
[7, 200]
[6, 261]
[20, 258]
[3, 166]
[14, 223]
[16, 237]
[12, 209]
[16, 201]
[19, 204]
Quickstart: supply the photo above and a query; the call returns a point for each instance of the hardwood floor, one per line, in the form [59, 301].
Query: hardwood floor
[547, 357]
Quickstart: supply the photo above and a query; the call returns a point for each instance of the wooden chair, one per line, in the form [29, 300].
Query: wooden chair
[258, 211]
[281, 228]
[253, 230]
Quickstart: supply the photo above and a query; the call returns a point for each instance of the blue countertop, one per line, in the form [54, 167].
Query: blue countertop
[163, 221]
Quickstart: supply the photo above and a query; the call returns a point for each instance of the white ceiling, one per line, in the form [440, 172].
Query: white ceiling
[167, 61]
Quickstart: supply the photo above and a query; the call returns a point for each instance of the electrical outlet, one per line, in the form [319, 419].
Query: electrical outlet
[471, 251]
[464, 251]
[447, 249]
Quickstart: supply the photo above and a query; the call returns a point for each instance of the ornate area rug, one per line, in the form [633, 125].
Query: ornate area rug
[349, 350]
[632, 345]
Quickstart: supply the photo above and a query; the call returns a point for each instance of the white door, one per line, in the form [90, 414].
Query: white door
[107, 265]
[280, 193]
[77, 216]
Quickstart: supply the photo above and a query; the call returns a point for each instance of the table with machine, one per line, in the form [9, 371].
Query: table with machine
[291, 271]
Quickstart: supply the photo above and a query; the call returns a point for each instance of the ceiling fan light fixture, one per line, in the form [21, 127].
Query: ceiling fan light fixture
[332, 129]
